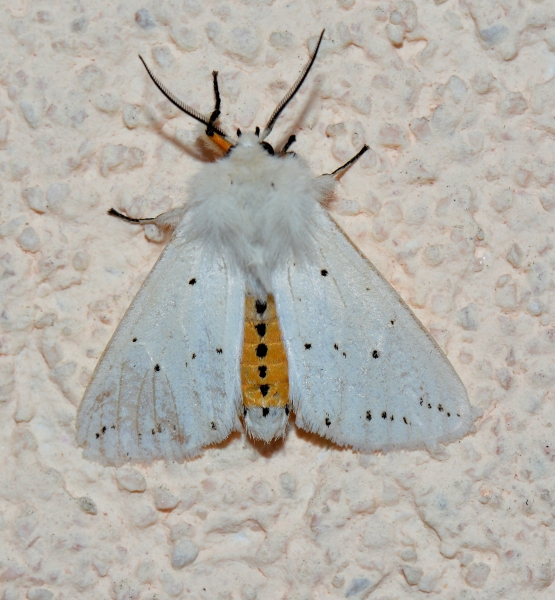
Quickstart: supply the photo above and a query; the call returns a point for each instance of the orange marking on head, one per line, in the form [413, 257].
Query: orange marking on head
[221, 142]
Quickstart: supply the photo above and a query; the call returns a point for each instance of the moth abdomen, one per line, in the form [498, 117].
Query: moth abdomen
[264, 371]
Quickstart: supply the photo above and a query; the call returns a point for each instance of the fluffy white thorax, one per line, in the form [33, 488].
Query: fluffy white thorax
[254, 209]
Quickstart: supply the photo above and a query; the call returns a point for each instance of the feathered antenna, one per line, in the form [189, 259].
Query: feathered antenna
[211, 129]
[285, 100]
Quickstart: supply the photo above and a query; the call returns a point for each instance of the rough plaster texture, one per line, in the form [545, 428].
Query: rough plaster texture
[456, 206]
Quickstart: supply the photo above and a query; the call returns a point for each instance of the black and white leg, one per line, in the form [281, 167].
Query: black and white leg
[218, 102]
[338, 172]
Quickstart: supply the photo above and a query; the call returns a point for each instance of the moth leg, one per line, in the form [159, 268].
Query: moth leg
[338, 172]
[292, 139]
[223, 143]
[218, 102]
[114, 213]
[166, 220]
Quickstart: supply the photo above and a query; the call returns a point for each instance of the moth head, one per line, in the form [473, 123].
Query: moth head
[251, 140]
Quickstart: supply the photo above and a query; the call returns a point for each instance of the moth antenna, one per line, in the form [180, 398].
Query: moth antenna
[114, 213]
[187, 109]
[285, 100]
[338, 172]
[292, 139]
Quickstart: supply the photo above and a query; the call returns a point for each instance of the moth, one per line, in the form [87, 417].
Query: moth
[260, 306]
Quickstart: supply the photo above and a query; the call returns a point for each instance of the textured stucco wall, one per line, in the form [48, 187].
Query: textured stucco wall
[455, 204]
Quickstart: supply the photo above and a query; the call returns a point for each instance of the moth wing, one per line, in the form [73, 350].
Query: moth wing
[168, 382]
[363, 370]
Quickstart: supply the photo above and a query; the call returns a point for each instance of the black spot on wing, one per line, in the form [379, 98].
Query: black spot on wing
[261, 329]
[262, 371]
[192, 281]
[384, 415]
[376, 354]
[336, 346]
[328, 422]
[193, 356]
[308, 346]
[213, 425]
[219, 350]
[264, 389]
[324, 273]
[156, 367]
[368, 415]
[134, 339]
[265, 412]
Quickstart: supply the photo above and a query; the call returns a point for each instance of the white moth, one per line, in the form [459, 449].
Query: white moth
[260, 304]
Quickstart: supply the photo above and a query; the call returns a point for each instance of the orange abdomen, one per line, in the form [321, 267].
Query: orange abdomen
[264, 378]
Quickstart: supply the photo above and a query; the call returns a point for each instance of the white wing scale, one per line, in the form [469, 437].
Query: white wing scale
[168, 383]
[363, 370]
